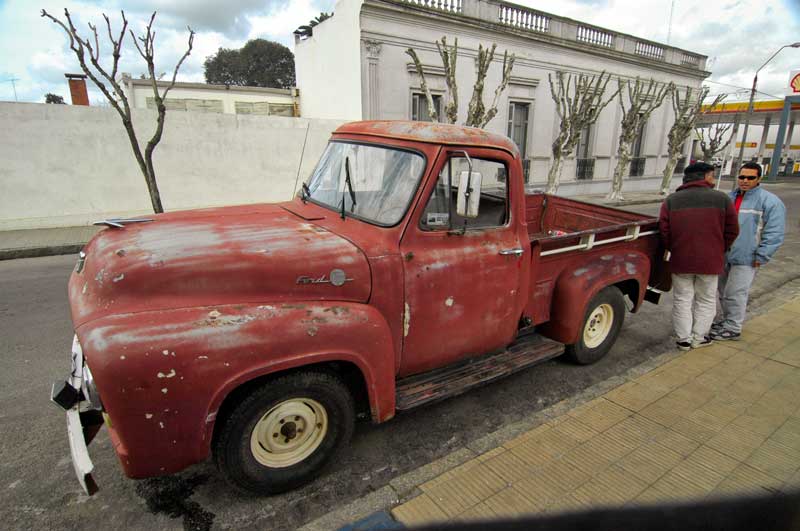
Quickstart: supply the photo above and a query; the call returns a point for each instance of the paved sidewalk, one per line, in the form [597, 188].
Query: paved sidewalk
[711, 422]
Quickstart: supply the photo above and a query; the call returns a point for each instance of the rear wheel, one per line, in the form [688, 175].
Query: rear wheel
[282, 434]
[601, 325]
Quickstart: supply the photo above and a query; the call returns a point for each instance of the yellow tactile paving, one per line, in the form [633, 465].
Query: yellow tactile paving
[601, 415]
[775, 459]
[464, 490]
[650, 461]
[613, 485]
[419, 511]
[710, 423]
[508, 466]
[736, 441]
[512, 502]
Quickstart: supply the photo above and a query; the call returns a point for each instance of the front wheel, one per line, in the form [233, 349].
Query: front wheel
[282, 434]
[601, 326]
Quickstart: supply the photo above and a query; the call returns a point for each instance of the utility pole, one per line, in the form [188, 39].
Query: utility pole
[669, 27]
[13, 85]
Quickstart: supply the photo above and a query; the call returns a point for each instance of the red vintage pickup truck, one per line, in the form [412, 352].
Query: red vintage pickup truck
[412, 266]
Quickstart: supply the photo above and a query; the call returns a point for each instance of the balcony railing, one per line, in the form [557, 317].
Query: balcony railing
[519, 17]
[637, 166]
[653, 51]
[584, 171]
[450, 6]
[516, 17]
[595, 36]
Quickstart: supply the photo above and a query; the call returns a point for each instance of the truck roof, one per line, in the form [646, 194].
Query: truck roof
[430, 132]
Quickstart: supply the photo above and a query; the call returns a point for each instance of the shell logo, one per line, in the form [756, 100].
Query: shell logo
[795, 83]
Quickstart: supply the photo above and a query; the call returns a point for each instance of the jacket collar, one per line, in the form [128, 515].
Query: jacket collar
[694, 184]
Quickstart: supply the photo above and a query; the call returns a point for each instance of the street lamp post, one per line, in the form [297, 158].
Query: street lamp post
[750, 105]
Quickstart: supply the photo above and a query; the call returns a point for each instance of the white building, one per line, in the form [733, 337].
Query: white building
[201, 97]
[354, 67]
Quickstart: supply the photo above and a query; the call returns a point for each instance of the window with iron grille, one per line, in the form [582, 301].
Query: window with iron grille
[680, 165]
[637, 166]
[584, 170]
[419, 107]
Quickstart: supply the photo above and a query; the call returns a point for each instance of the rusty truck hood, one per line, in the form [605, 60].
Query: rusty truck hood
[243, 254]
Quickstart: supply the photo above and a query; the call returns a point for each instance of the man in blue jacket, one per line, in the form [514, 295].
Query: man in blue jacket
[762, 220]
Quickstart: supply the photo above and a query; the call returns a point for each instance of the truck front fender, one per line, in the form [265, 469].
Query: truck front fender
[576, 285]
[162, 376]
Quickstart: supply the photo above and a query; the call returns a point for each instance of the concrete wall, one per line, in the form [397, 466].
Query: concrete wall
[328, 66]
[67, 165]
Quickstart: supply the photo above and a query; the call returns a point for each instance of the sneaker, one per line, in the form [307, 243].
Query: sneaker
[683, 345]
[726, 335]
[706, 342]
[717, 327]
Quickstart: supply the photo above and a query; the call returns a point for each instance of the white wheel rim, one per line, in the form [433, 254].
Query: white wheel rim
[289, 432]
[598, 325]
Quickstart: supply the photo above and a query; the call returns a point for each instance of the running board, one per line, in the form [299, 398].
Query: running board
[459, 377]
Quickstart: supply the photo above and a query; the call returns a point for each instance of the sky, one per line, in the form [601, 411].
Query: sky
[738, 36]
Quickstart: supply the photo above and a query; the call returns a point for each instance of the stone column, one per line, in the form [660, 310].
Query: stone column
[373, 49]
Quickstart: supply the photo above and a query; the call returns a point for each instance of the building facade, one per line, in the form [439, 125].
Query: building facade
[354, 66]
[220, 99]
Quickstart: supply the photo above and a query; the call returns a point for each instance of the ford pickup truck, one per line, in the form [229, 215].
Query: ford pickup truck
[411, 266]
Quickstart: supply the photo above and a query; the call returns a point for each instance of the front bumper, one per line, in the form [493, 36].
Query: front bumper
[83, 423]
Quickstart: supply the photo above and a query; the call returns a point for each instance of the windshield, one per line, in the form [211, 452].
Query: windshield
[382, 181]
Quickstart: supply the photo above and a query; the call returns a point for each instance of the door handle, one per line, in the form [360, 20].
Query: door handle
[514, 252]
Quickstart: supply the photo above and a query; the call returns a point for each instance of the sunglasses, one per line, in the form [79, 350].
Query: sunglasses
[748, 177]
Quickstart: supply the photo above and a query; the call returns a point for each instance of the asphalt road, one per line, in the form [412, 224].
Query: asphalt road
[37, 482]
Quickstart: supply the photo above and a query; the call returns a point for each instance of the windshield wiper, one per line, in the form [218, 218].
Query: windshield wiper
[349, 184]
[305, 193]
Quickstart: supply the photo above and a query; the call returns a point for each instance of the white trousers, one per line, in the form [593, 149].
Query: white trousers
[693, 306]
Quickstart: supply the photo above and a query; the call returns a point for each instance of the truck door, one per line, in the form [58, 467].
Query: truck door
[462, 276]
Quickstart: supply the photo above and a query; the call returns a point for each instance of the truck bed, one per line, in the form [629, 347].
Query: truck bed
[564, 232]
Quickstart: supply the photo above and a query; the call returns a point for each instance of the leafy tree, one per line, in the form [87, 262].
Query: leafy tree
[53, 98]
[259, 63]
[115, 95]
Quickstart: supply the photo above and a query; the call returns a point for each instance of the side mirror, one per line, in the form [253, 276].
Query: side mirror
[469, 194]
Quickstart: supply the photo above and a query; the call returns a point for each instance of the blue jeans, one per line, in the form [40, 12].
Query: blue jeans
[734, 288]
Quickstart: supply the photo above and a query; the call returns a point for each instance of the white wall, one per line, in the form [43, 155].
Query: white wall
[229, 98]
[328, 66]
[67, 165]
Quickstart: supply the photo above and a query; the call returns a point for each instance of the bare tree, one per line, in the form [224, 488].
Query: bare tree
[579, 99]
[686, 110]
[643, 99]
[115, 95]
[477, 115]
[711, 137]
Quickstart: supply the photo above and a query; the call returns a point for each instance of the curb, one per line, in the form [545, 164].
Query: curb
[36, 252]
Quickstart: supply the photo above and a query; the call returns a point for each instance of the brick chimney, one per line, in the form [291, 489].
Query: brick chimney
[77, 89]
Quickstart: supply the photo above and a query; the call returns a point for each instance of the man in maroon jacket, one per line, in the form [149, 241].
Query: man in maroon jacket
[698, 225]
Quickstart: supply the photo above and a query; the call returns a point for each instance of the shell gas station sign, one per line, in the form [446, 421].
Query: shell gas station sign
[794, 83]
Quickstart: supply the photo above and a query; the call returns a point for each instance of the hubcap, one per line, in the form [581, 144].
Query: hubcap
[289, 432]
[598, 325]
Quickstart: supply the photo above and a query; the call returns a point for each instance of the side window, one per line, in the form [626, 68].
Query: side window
[441, 206]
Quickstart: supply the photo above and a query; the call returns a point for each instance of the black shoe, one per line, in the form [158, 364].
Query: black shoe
[726, 335]
[683, 345]
[717, 327]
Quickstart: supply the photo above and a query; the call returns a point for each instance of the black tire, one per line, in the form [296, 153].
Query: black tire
[239, 453]
[609, 299]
